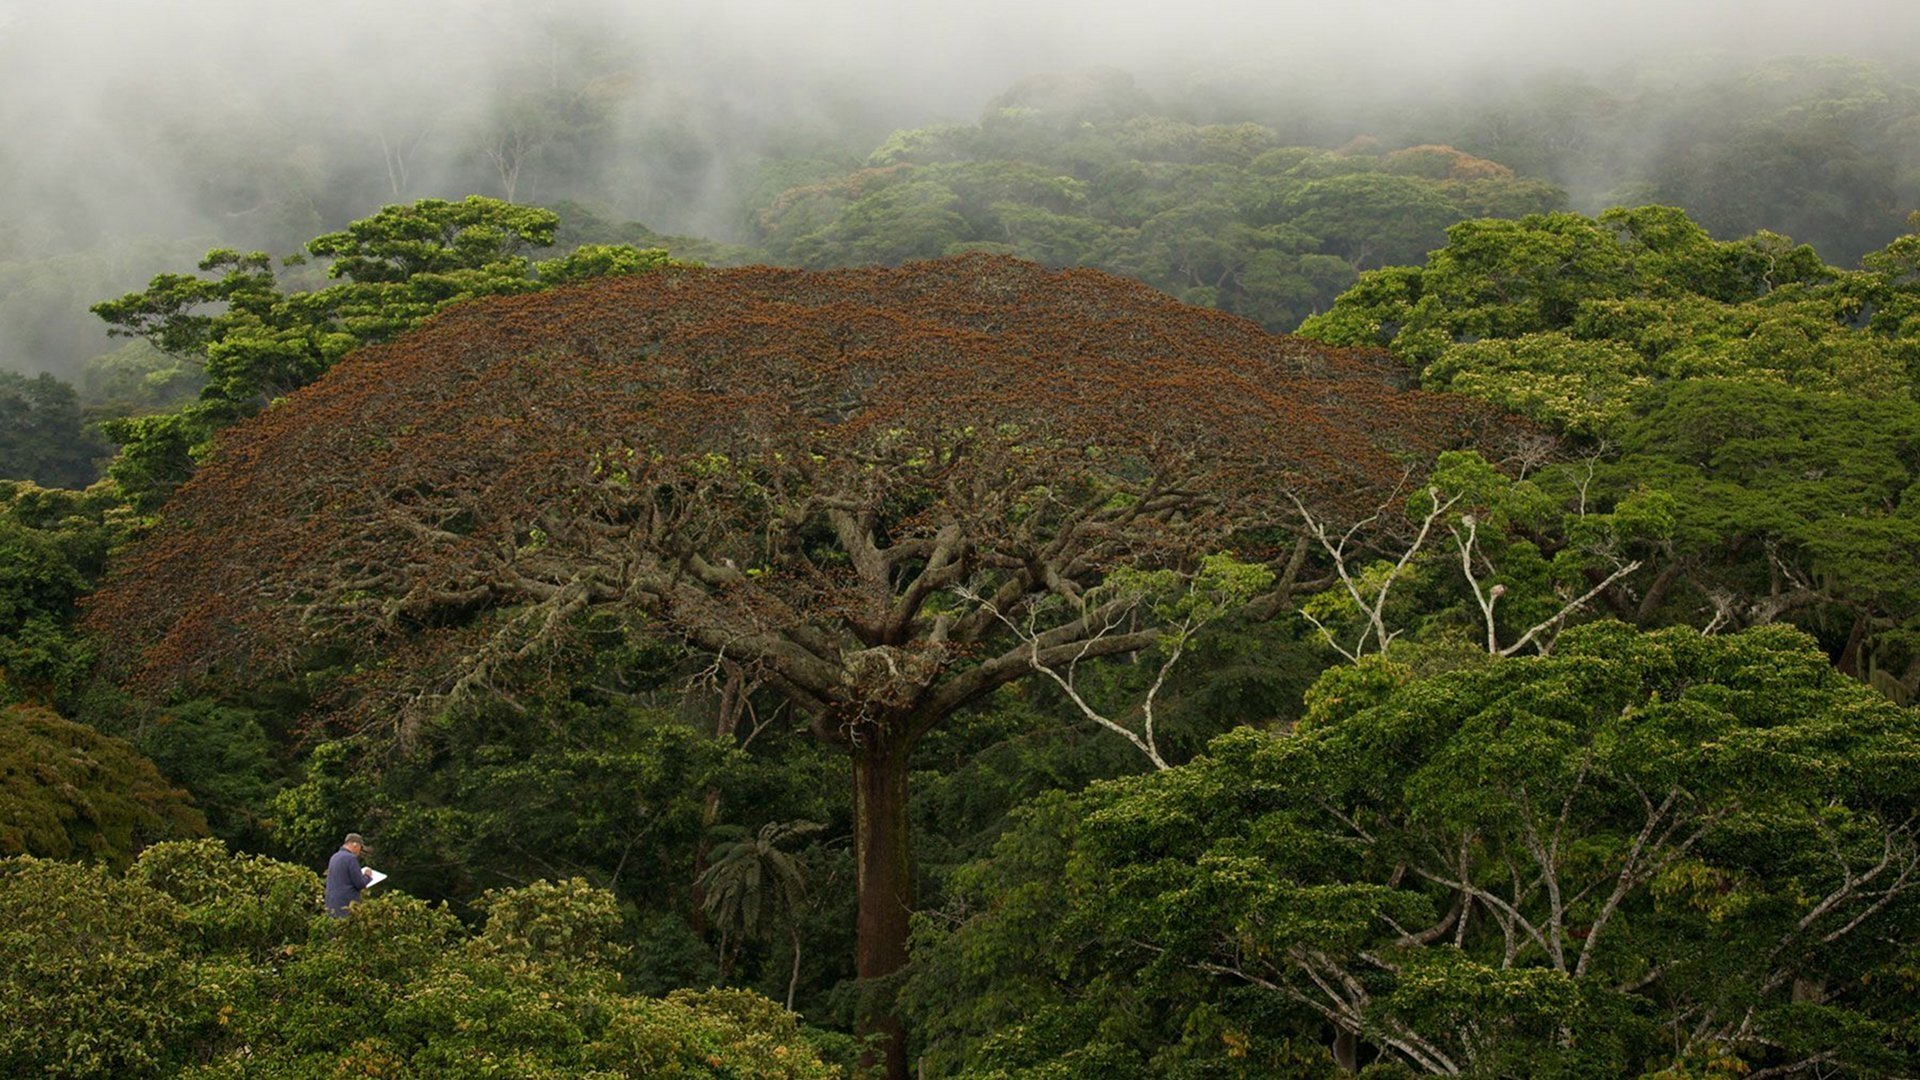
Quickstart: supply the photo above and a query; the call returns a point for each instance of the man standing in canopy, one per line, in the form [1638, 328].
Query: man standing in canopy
[345, 876]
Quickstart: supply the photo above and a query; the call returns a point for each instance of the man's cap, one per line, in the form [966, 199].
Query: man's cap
[353, 838]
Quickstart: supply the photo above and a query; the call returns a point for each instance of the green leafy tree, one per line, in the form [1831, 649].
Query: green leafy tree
[1372, 219]
[564, 925]
[53, 545]
[93, 984]
[533, 996]
[202, 964]
[137, 379]
[43, 437]
[751, 884]
[897, 222]
[1792, 505]
[1891, 293]
[1645, 277]
[249, 906]
[601, 260]
[1764, 395]
[68, 792]
[39, 585]
[609, 792]
[223, 756]
[1221, 215]
[260, 337]
[1640, 853]
[1483, 560]
[1584, 388]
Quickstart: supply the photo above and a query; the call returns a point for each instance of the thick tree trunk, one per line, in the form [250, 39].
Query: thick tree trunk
[1346, 1051]
[733, 696]
[1657, 593]
[1849, 660]
[884, 888]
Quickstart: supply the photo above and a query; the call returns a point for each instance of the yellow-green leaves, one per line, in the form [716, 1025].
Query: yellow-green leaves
[1566, 865]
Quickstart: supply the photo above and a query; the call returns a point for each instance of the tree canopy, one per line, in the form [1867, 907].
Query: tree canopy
[69, 792]
[1646, 854]
[1075, 172]
[888, 492]
[41, 433]
[206, 964]
[1766, 398]
[260, 337]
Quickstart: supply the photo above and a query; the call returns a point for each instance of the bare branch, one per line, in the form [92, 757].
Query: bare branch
[1374, 608]
[1036, 657]
[1468, 547]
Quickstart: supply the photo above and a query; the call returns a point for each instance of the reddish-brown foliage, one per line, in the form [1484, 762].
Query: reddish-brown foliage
[1443, 163]
[851, 481]
[722, 450]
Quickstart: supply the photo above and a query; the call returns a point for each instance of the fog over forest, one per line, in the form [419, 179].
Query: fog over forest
[1012, 540]
[133, 136]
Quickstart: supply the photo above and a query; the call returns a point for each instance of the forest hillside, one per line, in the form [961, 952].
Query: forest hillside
[1264, 570]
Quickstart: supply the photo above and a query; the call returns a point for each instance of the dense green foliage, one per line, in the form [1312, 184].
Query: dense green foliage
[1223, 215]
[41, 437]
[1817, 147]
[69, 792]
[1563, 316]
[205, 964]
[1243, 202]
[1642, 853]
[1767, 399]
[53, 544]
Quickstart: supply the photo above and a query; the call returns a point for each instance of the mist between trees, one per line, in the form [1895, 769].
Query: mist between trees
[134, 142]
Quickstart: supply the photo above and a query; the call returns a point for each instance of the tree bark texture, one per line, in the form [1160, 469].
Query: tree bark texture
[885, 891]
[1346, 1051]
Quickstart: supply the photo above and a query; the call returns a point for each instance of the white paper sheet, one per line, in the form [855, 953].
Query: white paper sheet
[375, 877]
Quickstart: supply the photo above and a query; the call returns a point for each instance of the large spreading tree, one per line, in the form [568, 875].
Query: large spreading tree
[888, 492]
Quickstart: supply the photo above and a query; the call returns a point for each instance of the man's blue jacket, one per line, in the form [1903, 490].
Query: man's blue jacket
[345, 879]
